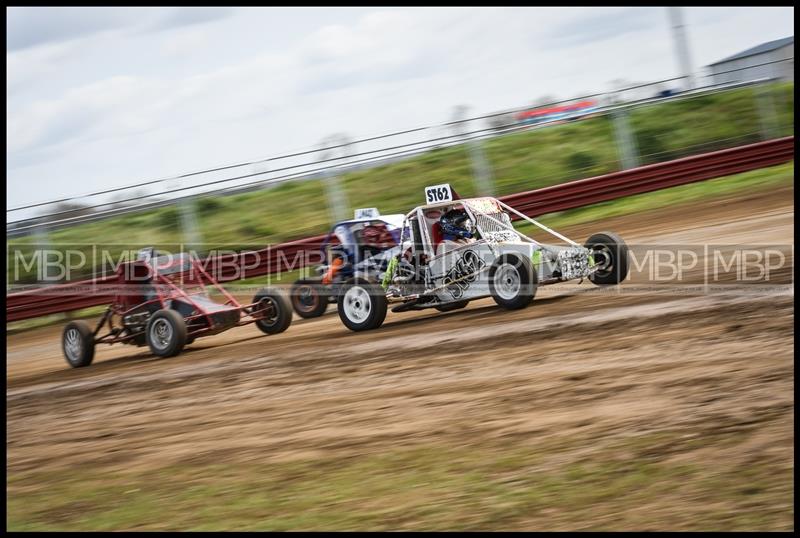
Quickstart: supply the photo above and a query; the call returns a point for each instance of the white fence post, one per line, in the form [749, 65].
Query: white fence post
[766, 112]
[626, 145]
[338, 206]
[481, 170]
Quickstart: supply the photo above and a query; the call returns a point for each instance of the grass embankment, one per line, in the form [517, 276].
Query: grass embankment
[763, 178]
[638, 484]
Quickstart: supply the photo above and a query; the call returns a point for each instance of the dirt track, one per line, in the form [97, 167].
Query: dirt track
[586, 365]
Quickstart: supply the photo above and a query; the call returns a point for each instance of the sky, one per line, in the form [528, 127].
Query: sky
[104, 97]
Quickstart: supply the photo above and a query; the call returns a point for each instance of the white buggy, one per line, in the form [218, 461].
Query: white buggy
[497, 261]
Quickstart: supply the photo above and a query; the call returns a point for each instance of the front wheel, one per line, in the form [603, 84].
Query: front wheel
[610, 253]
[307, 300]
[512, 281]
[362, 305]
[166, 333]
[77, 342]
[277, 312]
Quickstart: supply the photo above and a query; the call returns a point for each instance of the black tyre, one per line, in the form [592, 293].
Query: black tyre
[279, 314]
[166, 333]
[77, 342]
[449, 307]
[611, 253]
[361, 304]
[512, 281]
[307, 299]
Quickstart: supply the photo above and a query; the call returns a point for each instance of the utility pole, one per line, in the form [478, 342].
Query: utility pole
[681, 45]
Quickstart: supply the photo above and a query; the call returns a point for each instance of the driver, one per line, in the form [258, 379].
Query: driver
[376, 238]
[457, 229]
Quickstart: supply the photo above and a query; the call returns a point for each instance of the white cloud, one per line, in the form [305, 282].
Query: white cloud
[115, 106]
[29, 67]
[33, 26]
[120, 97]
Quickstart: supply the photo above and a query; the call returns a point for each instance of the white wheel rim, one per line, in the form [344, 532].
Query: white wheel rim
[357, 304]
[161, 333]
[507, 281]
[73, 344]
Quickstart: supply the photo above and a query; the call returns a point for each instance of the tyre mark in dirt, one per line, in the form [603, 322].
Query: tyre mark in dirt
[603, 389]
[439, 340]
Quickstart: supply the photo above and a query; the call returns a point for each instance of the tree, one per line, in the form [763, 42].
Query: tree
[119, 199]
[501, 121]
[67, 210]
[544, 101]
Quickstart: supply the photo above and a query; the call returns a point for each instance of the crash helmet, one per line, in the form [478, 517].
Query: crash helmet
[456, 224]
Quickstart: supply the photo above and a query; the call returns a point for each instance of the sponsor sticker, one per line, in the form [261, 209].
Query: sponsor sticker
[367, 213]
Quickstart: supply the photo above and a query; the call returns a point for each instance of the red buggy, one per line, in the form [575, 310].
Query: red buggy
[163, 302]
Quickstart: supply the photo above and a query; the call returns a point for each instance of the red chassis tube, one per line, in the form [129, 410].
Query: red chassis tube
[167, 290]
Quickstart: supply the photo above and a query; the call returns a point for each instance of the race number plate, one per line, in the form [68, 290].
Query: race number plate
[367, 213]
[438, 193]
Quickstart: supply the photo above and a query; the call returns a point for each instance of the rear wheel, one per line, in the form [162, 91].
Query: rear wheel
[512, 281]
[610, 253]
[362, 305]
[307, 300]
[166, 333]
[277, 312]
[449, 307]
[77, 342]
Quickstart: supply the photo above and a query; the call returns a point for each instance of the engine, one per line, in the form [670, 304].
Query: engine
[573, 263]
[136, 322]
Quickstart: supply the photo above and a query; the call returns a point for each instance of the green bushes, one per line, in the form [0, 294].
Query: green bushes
[169, 217]
[253, 228]
[209, 204]
[581, 160]
[710, 122]
[652, 144]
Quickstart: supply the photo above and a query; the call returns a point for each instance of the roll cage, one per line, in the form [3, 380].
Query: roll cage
[492, 221]
[146, 286]
[342, 235]
[489, 215]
